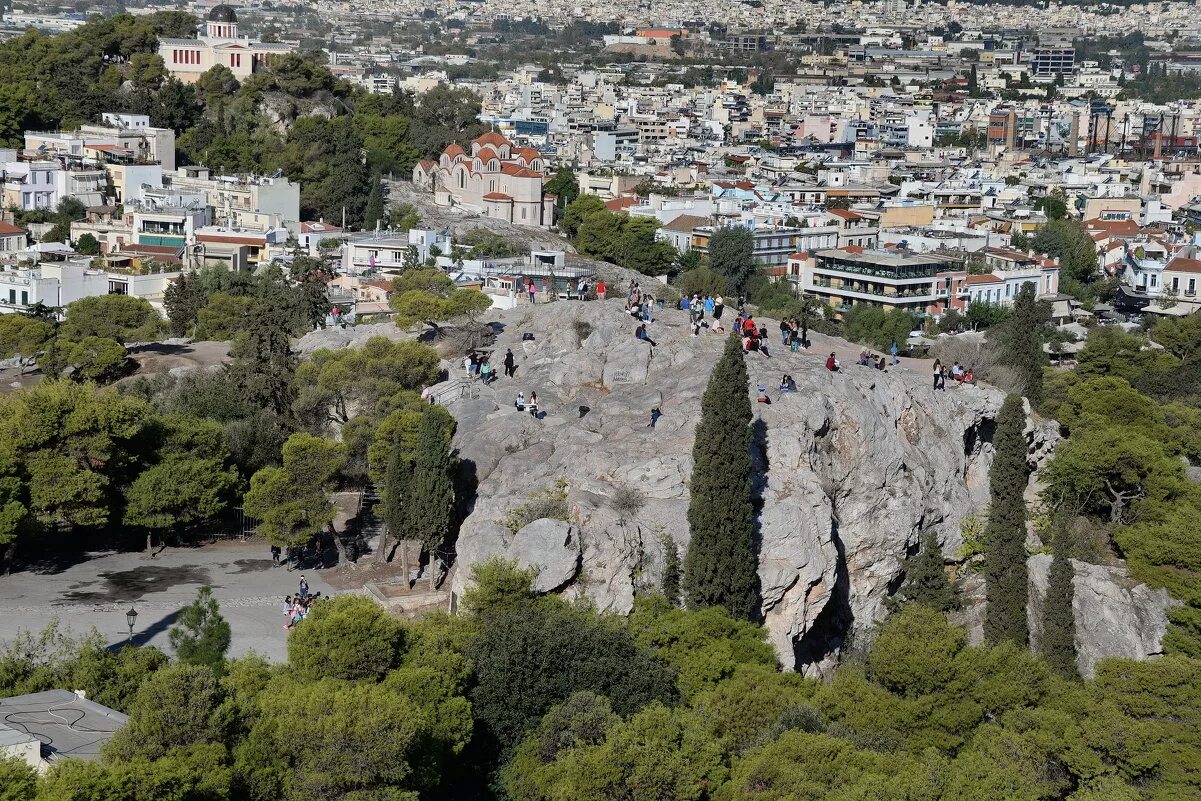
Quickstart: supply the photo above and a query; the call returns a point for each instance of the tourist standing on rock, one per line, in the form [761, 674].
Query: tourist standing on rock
[648, 309]
[719, 306]
[303, 586]
[529, 286]
[785, 333]
[893, 353]
[710, 305]
[940, 381]
[510, 365]
[600, 290]
[485, 371]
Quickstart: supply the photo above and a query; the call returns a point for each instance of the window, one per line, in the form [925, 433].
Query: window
[1007, 290]
[1154, 280]
[24, 297]
[1175, 283]
[12, 296]
[1192, 286]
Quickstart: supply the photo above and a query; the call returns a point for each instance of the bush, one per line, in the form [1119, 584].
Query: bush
[349, 637]
[551, 502]
[978, 353]
[627, 501]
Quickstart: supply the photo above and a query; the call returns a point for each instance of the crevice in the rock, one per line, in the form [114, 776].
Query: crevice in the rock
[829, 632]
[978, 435]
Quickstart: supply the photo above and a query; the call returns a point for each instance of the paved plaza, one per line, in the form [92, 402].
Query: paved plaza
[97, 592]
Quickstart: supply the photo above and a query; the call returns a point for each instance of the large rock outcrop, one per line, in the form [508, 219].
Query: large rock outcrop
[853, 467]
[1115, 615]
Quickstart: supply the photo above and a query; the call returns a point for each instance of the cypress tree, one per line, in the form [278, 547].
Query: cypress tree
[375, 204]
[429, 511]
[1005, 534]
[926, 579]
[671, 571]
[721, 567]
[396, 487]
[1058, 643]
[1021, 343]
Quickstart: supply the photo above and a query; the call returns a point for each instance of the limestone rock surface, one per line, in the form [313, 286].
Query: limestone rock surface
[852, 468]
[1115, 615]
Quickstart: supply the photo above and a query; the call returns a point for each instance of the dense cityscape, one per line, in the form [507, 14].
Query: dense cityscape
[533, 401]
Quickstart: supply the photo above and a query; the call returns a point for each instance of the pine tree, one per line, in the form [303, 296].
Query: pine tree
[926, 580]
[200, 635]
[721, 567]
[1058, 643]
[429, 509]
[671, 570]
[1005, 534]
[375, 205]
[1021, 343]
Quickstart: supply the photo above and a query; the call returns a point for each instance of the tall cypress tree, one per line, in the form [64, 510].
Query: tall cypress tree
[429, 511]
[671, 570]
[926, 580]
[1005, 534]
[1021, 342]
[375, 204]
[395, 491]
[721, 567]
[1058, 643]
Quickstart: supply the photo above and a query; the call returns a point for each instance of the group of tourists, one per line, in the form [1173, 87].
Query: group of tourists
[640, 304]
[957, 373]
[754, 337]
[522, 404]
[298, 606]
[478, 364]
[869, 359]
[699, 307]
[793, 335]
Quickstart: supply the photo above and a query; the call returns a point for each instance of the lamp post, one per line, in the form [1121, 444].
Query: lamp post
[130, 618]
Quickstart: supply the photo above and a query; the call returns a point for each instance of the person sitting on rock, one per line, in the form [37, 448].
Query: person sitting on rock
[533, 404]
[969, 376]
[832, 363]
[957, 372]
[640, 334]
[864, 357]
[787, 384]
[763, 395]
[881, 363]
[519, 404]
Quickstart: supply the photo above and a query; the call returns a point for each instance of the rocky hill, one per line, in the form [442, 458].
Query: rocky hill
[852, 469]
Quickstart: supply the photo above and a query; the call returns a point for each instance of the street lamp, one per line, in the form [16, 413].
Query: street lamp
[131, 617]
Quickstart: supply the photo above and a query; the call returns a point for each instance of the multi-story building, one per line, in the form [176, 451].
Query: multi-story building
[188, 59]
[1047, 62]
[131, 133]
[12, 239]
[897, 279]
[31, 185]
[496, 179]
[232, 197]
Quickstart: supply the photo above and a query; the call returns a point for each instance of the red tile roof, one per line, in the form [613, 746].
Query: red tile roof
[486, 153]
[519, 171]
[621, 203]
[454, 149]
[9, 230]
[846, 214]
[491, 138]
[1183, 265]
[971, 280]
[497, 196]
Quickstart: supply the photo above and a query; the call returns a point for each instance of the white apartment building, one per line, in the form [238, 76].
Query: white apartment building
[231, 195]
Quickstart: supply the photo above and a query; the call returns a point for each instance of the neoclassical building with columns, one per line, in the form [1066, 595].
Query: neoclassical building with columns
[188, 59]
[495, 179]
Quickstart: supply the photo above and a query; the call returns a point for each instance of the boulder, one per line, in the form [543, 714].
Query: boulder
[551, 547]
[1115, 615]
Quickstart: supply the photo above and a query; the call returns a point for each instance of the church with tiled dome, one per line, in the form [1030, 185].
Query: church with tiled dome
[496, 179]
[188, 59]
